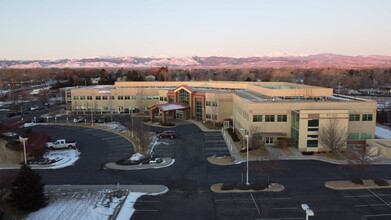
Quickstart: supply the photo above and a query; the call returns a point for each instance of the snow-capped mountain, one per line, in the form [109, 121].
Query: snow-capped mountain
[276, 59]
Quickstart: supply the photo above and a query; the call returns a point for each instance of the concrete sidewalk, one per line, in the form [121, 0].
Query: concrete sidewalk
[149, 189]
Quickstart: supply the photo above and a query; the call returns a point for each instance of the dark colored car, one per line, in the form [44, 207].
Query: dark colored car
[39, 120]
[167, 134]
[102, 120]
[12, 114]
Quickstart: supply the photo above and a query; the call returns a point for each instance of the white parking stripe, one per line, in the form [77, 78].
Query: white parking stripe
[377, 215]
[363, 196]
[369, 205]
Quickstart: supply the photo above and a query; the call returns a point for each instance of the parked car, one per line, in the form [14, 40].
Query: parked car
[61, 143]
[78, 119]
[167, 134]
[10, 135]
[102, 120]
[12, 114]
[38, 120]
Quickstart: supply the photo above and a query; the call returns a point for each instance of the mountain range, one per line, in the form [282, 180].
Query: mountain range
[275, 60]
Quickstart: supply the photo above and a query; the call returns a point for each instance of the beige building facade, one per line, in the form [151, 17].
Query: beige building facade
[267, 110]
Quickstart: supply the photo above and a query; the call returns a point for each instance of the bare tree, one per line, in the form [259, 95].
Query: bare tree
[268, 166]
[332, 136]
[141, 135]
[36, 144]
[359, 160]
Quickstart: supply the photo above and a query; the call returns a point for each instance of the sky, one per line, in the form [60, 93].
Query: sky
[56, 29]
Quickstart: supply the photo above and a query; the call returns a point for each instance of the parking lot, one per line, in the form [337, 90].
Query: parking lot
[214, 144]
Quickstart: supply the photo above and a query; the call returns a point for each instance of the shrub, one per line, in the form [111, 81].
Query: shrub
[307, 153]
[259, 186]
[168, 124]
[230, 130]
[14, 145]
[243, 186]
[228, 186]
[358, 181]
[381, 182]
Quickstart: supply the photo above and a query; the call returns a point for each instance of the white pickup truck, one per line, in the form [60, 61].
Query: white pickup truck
[61, 143]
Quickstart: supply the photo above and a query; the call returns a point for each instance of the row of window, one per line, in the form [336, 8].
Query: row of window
[270, 118]
[356, 136]
[243, 113]
[356, 117]
[211, 103]
[120, 97]
[209, 116]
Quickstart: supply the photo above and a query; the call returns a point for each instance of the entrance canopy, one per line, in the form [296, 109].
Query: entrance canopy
[168, 107]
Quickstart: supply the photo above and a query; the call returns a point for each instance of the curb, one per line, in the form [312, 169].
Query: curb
[114, 166]
[279, 188]
[355, 186]
[149, 189]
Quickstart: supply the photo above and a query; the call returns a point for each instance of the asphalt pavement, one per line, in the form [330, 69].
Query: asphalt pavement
[190, 177]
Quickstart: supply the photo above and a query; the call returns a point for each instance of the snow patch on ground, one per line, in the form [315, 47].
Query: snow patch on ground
[86, 204]
[383, 132]
[64, 158]
[127, 209]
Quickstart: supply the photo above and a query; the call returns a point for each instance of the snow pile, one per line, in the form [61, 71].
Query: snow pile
[127, 209]
[382, 132]
[86, 204]
[113, 126]
[136, 157]
[64, 158]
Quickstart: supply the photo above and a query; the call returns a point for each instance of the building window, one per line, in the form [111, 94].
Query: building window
[133, 97]
[184, 96]
[120, 97]
[104, 97]
[208, 116]
[312, 143]
[214, 104]
[367, 117]
[75, 97]
[365, 136]
[82, 97]
[312, 136]
[269, 118]
[353, 136]
[98, 97]
[89, 97]
[207, 103]
[111, 97]
[313, 123]
[354, 117]
[257, 118]
[215, 117]
[127, 97]
[281, 118]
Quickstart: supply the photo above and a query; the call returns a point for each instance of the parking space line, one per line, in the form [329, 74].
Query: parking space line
[286, 208]
[266, 199]
[147, 210]
[377, 215]
[369, 205]
[259, 212]
[379, 198]
[359, 196]
[280, 218]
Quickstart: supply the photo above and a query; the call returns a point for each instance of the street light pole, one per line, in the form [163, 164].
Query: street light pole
[243, 135]
[247, 183]
[24, 148]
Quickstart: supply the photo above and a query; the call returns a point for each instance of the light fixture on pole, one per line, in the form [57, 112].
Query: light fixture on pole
[23, 140]
[233, 122]
[308, 211]
[47, 119]
[243, 135]
[247, 183]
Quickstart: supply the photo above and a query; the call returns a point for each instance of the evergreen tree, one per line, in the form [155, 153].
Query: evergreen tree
[27, 190]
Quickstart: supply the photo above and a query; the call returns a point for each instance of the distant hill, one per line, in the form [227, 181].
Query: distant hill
[276, 60]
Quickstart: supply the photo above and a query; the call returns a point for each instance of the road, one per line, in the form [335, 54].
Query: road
[190, 177]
